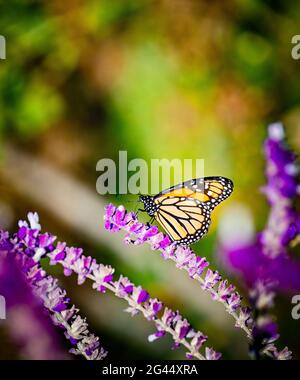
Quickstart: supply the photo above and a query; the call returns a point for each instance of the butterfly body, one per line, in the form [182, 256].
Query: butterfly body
[149, 205]
[184, 210]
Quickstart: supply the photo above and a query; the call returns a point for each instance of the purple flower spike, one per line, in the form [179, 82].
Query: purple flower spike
[266, 260]
[183, 257]
[281, 191]
[30, 328]
[28, 246]
[25, 250]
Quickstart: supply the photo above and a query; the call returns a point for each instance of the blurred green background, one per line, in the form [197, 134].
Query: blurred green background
[159, 79]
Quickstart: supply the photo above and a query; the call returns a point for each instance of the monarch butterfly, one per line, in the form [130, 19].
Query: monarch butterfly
[184, 210]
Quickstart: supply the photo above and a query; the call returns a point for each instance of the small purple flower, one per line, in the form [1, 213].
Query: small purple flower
[140, 295]
[102, 274]
[253, 265]
[45, 240]
[285, 354]
[165, 242]
[58, 254]
[77, 330]
[123, 287]
[159, 241]
[72, 254]
[22, 232]
[53, 297]
[116, 218]
[90, 346]
[108, 225]
[225, 290]
[182, 328]
[168, 316]
[198, 339]
[265, 329]
[292, 231]
[211, 279]
[69, 313]
[158, 334]
[153, 307]
[197, 265]
[147, 233]
[33, 219]
[234, 301]
[262, 295]
[183, 257]
[211, 354]
[33, 271]
[245, 318]
[84, 266]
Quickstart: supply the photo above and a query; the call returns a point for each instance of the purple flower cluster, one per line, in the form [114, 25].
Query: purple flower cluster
[117, 218]
[267, 258]
[253, 264]
[30, 329]
[27, 247]
[281, 191]
[265, 328]
[166, 320]
[182, 330]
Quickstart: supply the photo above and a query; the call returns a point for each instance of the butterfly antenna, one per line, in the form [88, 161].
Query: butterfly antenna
[130, 201]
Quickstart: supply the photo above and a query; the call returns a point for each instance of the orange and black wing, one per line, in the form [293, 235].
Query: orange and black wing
[185, 220]
[210, 191]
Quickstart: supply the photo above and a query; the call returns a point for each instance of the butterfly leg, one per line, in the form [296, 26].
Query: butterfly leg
[151, 221]
[139, 210]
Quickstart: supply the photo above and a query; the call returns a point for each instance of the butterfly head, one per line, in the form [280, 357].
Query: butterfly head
[149, 204]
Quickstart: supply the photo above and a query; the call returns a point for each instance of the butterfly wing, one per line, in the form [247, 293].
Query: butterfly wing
[186, 220]
[207, 190]
[184, 210]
